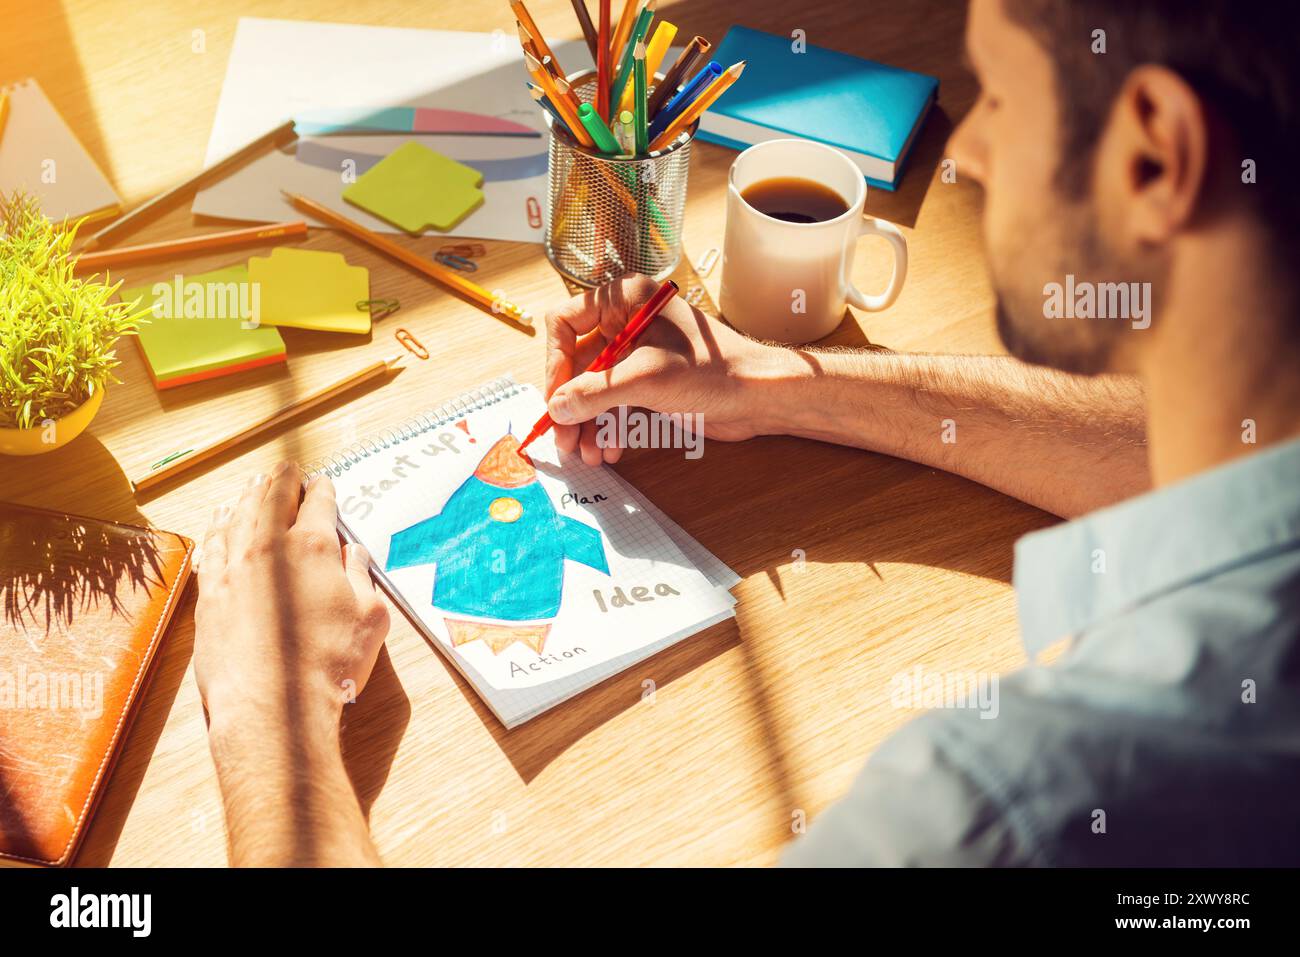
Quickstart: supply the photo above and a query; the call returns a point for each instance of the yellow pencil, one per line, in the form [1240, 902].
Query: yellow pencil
[4, 111]
[697, 108]
[502, 309]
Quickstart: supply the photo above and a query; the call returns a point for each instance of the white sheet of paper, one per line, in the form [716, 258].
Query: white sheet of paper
[282, 68]
[664, 596]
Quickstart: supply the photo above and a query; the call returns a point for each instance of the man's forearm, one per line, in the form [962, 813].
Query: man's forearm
[288, 799]
[1067, 444]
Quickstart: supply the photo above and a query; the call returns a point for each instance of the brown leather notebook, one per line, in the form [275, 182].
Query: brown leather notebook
[85, 605]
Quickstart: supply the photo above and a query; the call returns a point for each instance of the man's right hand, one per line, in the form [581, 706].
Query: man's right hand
[685, 362]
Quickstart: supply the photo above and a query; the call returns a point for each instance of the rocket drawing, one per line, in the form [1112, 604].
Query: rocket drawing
[499, 546]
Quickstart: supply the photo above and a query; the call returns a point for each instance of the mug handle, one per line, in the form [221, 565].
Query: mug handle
[870, 226]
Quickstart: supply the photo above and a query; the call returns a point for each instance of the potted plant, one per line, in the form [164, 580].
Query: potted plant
[58, 333]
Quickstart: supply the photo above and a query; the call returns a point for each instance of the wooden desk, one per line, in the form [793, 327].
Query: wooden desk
[752, 721]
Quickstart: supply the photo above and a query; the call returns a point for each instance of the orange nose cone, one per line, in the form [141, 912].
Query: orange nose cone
[504, 466]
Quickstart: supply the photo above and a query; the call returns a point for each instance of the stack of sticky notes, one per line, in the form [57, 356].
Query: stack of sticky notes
[415, 189]
[222, 322]
[202, 327]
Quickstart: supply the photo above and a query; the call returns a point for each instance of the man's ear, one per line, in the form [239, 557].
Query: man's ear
[1160, 137]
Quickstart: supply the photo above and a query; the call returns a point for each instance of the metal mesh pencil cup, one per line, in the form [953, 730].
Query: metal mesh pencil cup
[607, 216]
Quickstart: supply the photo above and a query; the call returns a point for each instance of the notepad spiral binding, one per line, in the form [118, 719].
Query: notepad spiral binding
[491, 393]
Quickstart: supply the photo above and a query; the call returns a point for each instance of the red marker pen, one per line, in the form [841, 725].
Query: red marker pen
[616, 349]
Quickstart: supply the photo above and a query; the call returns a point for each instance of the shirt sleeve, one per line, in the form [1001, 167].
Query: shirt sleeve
[912, 806]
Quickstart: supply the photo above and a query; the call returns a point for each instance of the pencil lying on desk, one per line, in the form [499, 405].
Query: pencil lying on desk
[190, 244]
[176, 463]
[284, 133]
[503, 309]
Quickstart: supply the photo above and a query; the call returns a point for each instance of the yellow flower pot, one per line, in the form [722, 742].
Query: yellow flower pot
[47, 438]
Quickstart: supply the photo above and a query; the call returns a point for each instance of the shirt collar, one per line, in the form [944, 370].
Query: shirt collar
[1071, 576]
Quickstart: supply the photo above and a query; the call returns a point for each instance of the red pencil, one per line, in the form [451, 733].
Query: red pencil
[614, 351]
[602, 63]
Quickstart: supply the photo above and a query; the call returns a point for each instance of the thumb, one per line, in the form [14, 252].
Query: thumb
[591, 393]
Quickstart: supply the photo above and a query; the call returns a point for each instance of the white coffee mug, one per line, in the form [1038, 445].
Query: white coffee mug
[790, 282]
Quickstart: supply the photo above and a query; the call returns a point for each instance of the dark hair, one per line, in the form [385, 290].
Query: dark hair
[1242, 58]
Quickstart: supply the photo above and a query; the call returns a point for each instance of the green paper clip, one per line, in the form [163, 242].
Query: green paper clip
[379, 308]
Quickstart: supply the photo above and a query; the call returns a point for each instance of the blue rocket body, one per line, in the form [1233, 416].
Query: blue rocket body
[499, 550]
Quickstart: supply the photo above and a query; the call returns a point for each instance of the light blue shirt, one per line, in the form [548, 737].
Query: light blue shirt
[1167, 734]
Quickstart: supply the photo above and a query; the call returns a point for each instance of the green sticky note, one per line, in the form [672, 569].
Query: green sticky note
[199, 327]
[415, 188]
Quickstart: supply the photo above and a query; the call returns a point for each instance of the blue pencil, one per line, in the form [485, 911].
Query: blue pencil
[694, 87]
[546, 104]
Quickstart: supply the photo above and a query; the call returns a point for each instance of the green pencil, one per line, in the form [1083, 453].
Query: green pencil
[640, 126]
[624, 74]
[605, 141]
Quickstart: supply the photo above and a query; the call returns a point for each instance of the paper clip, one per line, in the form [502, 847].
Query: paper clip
[411, 344]
[534, 213]
[695, 296]
[379, 308]
[456, 262]
[707, 262]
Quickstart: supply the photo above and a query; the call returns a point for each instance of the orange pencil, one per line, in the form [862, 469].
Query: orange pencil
[502, 309]
[542, 77]
[624, 30]
[529, 24]
[697, 108]
[190, 244]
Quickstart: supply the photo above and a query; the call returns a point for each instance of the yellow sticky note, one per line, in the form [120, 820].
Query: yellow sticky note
[309, 289]
[415, 188]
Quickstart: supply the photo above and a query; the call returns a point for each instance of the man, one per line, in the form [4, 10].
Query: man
[1167, 733]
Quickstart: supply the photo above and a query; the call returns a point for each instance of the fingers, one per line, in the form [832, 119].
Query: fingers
[213, 554]
[318, 514]
[374, 613]
[586, 396]
[243, 520]
[280, 507]
[605, 309]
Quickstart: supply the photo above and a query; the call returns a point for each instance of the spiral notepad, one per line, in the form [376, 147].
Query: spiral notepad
[537, 578]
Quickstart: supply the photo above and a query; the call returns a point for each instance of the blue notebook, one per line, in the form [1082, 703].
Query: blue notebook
[870, 111]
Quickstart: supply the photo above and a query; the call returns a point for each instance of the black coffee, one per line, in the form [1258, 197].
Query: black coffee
[795, 200]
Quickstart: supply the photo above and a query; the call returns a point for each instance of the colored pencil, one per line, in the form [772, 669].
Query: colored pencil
[190, 244]
[526, 18]
[545, 103]
[693, 88]
[698, 106]
[588, 28]
[602, 62]
[172, 465]
[543, 78]
[623, 30]
[618, 347]
[284, 133]
[4, 111]
[624, 77]
[639, 126]
[502, 309]
[685, 65]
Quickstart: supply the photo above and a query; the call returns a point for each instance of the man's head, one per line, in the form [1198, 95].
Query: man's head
[1106, 134]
